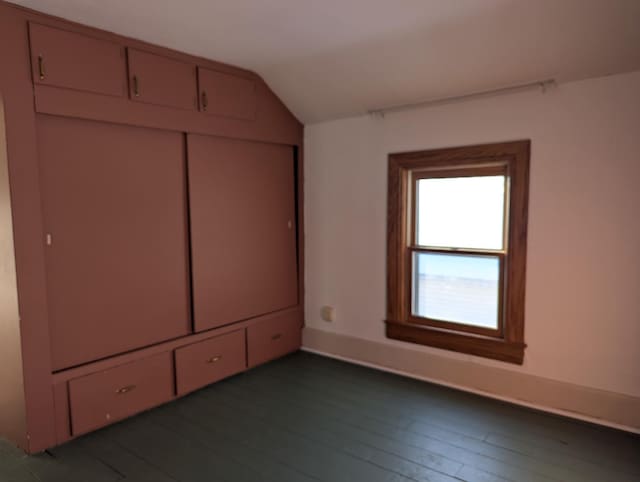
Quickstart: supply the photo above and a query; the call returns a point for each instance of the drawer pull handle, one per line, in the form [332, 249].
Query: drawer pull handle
[127, 389]
[136, 86]
[277, 336]
[41, 67]
[205, 101]
[214, 359]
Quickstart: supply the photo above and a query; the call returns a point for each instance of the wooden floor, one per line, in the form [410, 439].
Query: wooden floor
[308, 418]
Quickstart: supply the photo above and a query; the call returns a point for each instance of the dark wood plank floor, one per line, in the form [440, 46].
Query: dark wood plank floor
[308, 418]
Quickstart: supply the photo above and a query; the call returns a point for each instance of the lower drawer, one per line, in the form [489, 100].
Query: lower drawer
[101, 398]
[210, 360]
[273, 338]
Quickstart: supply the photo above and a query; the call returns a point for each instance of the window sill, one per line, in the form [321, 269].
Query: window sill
[488, 347]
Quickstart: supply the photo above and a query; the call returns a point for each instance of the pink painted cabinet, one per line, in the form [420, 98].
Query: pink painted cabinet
[226, 95]
[155, 79]
[65, 59]
[114, 200]
[243, 229]
[156, 212]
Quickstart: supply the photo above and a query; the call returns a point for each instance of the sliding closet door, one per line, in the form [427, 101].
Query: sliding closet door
[243, 237]
[115, 209]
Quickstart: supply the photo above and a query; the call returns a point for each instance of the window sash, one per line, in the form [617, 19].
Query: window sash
[416, 175]
[495, 169]
[451, 325]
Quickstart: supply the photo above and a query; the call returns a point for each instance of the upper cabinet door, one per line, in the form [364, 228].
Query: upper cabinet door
[243, 231]
[226, 95]
[162, 81]
[65, 59]
[114, 202]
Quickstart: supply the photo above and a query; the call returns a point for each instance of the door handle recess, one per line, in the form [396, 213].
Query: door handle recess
[277, 336]
[136, 86]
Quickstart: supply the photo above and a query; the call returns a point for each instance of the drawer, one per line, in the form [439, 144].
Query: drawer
[211, 360]
[105, 397]
[273, 338]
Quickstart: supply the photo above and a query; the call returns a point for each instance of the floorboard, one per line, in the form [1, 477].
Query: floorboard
[307, 418]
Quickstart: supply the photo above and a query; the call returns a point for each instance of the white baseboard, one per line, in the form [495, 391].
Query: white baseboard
[600, 407]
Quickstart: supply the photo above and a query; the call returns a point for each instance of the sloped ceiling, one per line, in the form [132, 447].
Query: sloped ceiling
[335, 58]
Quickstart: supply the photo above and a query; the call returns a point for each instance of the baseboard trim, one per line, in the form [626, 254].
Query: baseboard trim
[601, 407]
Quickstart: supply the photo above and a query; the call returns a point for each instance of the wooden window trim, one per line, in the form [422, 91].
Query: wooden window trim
[506, 343]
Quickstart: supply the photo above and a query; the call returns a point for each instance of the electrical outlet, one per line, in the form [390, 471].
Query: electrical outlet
[328, 313]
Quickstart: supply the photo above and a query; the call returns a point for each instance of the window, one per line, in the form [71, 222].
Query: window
[456, 254]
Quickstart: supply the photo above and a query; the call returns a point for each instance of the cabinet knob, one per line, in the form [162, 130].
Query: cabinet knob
[214, 359]
[277, 336]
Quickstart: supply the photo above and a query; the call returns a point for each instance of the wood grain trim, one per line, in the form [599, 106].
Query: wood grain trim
[499, 169]
[460, 156]
[508, 344]
[396, 240]
[488, 347]
[516, 265]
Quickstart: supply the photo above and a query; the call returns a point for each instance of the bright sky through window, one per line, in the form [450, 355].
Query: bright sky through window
[461, 212]
[457, 288]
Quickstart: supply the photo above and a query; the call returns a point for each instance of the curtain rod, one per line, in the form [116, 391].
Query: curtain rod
[540, 84]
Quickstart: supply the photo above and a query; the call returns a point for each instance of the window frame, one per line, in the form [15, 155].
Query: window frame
[416, 175]
[510, 159]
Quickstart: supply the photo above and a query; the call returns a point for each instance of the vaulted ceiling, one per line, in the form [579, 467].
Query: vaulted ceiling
[335, 58]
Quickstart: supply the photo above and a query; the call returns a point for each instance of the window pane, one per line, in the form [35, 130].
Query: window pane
[460, 212]
[457, 288]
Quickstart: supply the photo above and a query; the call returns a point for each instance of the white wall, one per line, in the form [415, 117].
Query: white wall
[583, 267]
